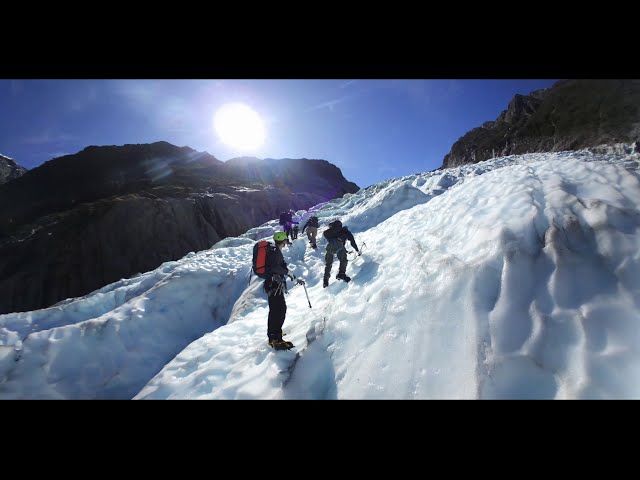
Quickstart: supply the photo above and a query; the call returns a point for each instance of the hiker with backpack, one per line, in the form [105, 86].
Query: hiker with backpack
[312, 230]
[268, 263]
[289, 229]
[286, 220]
[285, 217]
[337, 236]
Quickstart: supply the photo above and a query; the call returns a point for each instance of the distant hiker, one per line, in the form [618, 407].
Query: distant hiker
[289, 229]
[337, 236]
[295, 230]
[286, 220]
[275, 286]
[312, 230]
[285, 217]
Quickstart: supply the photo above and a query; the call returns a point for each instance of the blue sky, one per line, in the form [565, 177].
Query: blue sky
[371, 129]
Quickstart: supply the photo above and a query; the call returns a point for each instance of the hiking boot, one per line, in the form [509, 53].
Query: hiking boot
[280, 345]
[342, 276]
[325, 282]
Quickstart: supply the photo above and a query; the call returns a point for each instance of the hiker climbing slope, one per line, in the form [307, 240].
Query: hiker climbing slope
[312, 230]
[337, 236]
[286, 220]
[275, 287]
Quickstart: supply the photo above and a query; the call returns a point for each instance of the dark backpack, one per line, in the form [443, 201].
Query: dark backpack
[313, 222]
[285, 217]
[261, 257]
[334, 230]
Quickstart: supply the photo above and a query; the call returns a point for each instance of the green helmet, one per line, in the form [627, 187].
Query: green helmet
[279, 236]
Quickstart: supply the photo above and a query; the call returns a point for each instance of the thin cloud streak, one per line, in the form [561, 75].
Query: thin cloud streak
[330, 104]
[58, 154]
[346, 84]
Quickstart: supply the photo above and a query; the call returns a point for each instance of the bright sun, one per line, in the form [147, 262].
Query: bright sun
[239, 126]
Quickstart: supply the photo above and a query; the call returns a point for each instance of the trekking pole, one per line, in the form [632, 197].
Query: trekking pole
[305, 291]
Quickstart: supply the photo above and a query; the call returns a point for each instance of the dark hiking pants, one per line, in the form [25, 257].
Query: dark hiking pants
[277, 312]
[335, 248]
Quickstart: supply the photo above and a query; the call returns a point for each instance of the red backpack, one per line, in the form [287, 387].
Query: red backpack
[261, 251]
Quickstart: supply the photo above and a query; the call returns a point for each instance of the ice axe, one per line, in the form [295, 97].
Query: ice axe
[305, 292]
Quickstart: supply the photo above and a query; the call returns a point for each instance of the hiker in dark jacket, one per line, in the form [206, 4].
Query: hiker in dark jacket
[312, 230]
[288, 230]
[286, 220]
[337, 236]
[285, 217]
[275, 287]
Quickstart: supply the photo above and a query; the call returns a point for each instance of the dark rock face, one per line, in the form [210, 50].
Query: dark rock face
[9, 169]
[571, 115]
[82, 221]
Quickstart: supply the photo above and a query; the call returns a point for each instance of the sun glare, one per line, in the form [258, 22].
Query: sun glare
[239, 126]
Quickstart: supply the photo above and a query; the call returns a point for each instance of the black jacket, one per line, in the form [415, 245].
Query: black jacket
[286, 217]
[342, 234]
[276, 270]
[312, 222]
[276, 263]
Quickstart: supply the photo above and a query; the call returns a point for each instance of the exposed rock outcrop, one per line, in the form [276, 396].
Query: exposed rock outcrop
[9, 169]
[570, 115]
[82, 221]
